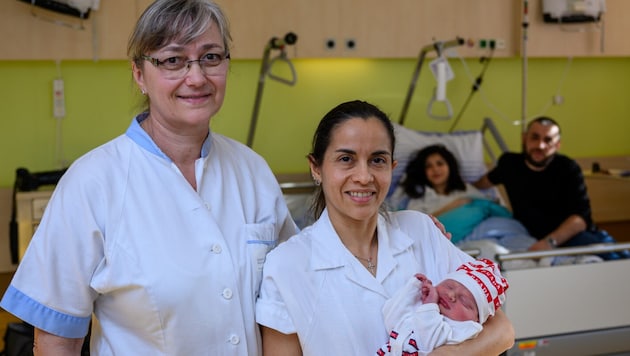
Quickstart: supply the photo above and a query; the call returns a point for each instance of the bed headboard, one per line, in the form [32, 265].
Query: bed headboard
[466, 146]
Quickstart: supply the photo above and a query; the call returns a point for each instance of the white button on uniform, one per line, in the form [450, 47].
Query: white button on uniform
[234, 339]
[227, 293]
[216, 248]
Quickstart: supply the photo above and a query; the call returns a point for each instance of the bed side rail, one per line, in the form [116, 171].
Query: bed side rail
[488, 126]
[296, 183]
[290, 186]
[594, 249]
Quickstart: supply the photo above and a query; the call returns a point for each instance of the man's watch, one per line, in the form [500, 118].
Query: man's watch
[552, 242]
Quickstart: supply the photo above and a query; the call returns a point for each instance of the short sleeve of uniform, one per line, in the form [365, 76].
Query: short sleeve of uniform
[271, 310]
[51, 288]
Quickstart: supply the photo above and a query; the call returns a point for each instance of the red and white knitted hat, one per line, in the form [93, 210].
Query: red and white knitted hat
[484, 280]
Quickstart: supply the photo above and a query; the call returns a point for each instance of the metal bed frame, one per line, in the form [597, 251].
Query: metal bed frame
[579, 309]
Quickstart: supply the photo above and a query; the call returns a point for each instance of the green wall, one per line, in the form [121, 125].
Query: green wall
[101, 100]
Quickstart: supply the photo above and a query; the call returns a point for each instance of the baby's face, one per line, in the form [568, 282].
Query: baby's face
[456, 301]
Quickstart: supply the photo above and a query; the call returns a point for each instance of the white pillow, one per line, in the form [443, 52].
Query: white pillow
[466, 146]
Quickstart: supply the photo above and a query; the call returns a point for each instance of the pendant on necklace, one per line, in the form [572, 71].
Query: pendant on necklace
[370, 266]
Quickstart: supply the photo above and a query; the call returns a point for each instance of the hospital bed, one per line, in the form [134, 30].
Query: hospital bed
[576, 309]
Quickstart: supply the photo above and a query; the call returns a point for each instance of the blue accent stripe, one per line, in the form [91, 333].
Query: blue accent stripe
[139, 136]
[42, 317]
[262, 242]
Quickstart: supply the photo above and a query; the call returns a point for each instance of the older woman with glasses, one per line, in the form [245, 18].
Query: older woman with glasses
[158, 236]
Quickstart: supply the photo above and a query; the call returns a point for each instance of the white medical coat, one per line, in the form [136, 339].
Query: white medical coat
[313, 286]
[165, 269]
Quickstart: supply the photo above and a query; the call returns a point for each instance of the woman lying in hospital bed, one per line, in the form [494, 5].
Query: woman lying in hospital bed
[432, 184]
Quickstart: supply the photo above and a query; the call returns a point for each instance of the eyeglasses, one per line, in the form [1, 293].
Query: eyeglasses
[177, 67]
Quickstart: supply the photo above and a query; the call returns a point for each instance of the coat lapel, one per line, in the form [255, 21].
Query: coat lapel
[329, 253]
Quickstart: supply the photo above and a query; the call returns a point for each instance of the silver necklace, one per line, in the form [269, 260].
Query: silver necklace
[370, 266]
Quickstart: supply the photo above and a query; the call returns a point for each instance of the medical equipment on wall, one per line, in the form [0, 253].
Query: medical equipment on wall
[68, 8]
[76, 8]
[573, 11]
[274, 43]
[26, 181]
[580, 12]
[438, 47]
[443, 73]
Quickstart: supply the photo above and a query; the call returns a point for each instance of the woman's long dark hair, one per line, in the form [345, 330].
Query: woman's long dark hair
[416, 179]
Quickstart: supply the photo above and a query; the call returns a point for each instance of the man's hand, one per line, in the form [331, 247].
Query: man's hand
[541, 245]
[440, 226]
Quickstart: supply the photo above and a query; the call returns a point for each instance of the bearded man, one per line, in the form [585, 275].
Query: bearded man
[547, 191]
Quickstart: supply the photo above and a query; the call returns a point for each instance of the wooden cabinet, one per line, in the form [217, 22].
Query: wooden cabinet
[326, 28]
[607, 38]
[29, 32]
[371, 28]
[253, 23]
[608, 190]
[422, 22]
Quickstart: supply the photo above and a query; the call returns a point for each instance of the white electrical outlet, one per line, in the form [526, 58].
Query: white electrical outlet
[59, 101]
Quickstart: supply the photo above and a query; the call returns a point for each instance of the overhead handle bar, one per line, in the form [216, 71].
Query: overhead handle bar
[438, 47]
[282, 58]
[274, 43]
[447, 105]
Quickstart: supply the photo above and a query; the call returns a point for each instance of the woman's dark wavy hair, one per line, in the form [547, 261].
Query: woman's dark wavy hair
[416, 179]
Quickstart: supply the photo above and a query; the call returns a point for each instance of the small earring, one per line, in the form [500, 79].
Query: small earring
[143, 92]
[318, 182]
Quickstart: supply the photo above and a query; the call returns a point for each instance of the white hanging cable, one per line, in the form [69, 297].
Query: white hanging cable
[557, 98]
[59, 114]
[95, 38]
[485, 99]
